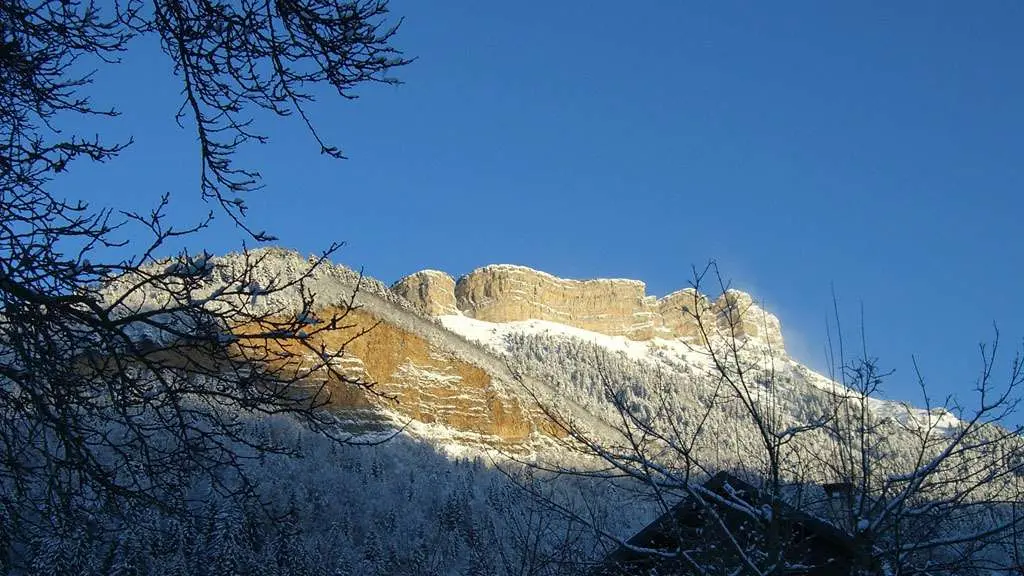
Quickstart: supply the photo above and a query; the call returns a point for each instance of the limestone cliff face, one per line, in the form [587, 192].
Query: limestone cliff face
[436, 376]
[429, 290]
[421, 371]
[509, 293]
[420, 380]
[506, 293]
[676, 312]
[737, 311]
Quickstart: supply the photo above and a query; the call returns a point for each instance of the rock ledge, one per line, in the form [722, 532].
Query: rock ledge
[616, 307]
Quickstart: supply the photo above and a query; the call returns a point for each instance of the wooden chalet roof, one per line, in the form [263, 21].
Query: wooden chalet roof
[813, 546]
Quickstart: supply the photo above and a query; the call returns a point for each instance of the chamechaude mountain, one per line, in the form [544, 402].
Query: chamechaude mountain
[522, 423]
[478, 360]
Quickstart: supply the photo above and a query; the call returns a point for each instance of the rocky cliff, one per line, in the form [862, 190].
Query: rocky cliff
[436, 376]
[422, 371]
[422, 378]
[616, 307]
[429, 290]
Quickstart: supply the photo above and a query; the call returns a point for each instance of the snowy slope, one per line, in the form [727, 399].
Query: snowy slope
[669, 355]
[494, 335]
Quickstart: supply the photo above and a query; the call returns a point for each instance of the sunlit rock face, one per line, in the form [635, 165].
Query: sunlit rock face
[737, 312]
[678, 312]
[429, 290]
[506, 293]
[615, 307]
[424, 380]
[427, 373]
[420, 371]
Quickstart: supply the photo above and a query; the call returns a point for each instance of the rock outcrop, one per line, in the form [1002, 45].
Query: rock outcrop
[506, 293]
[737, 312]
[616, 307]
[429, 290]
[677, 310]
[426, 373]
[422, 380]
[421, 371]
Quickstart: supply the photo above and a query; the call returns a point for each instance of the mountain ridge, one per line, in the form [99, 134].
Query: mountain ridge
[449, 360]
[611, 306]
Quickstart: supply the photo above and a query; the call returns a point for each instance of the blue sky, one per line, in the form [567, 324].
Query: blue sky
[876, 147]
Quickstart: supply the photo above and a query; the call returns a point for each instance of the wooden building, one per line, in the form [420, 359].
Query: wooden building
[732, 515]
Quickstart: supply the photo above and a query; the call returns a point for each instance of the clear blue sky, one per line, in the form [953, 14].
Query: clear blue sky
[878, 147]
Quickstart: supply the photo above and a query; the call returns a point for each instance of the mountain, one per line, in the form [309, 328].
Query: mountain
[476, 361]
[613, 307]
[443, 348]
[491, 381]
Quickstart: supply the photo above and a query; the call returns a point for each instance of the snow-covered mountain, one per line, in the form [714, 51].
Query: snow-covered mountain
[476, 362]
[475, 372]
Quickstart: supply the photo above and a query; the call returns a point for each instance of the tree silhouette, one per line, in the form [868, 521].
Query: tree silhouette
[121, 378]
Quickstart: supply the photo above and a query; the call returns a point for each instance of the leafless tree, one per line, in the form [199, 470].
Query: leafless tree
[913, 491]
[121, 378]
[529, 538]
[664, 449]
[930, 490]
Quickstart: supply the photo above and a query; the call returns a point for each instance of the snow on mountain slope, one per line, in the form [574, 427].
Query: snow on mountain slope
[451, 370]
[938, 418]
[670, 354]
[494, 335]
[500, 304]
